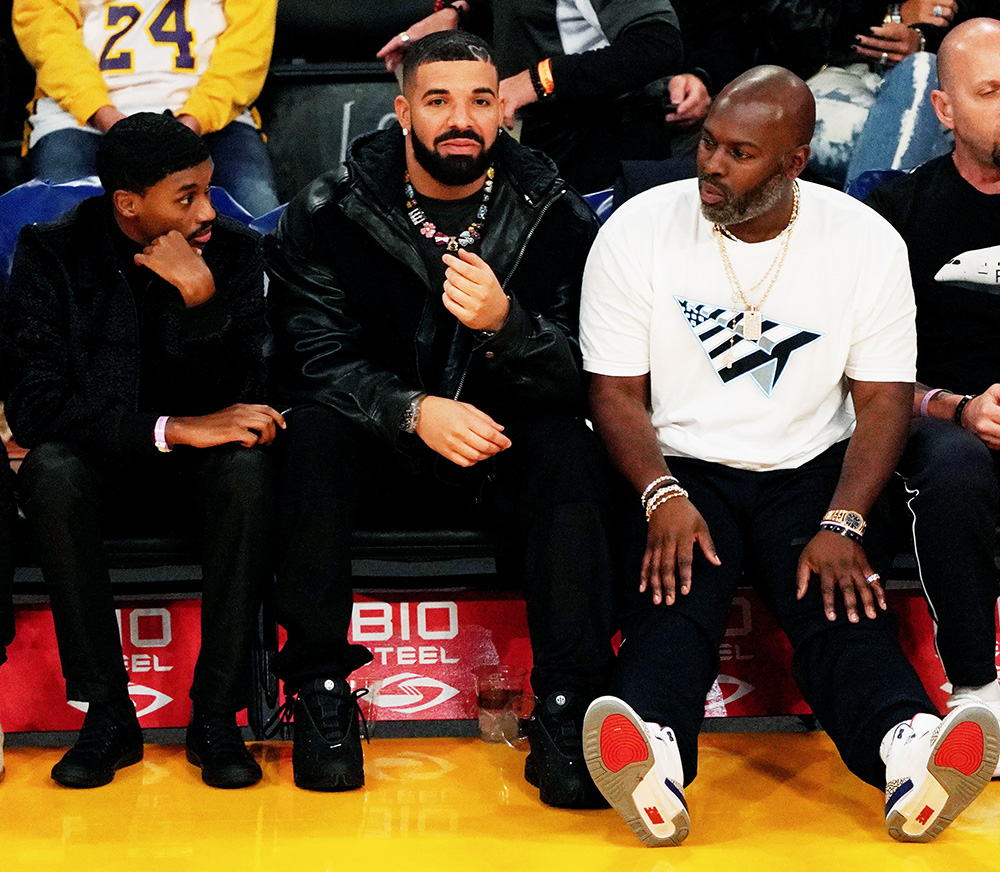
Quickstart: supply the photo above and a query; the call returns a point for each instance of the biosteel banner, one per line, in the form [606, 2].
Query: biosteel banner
[425, 645]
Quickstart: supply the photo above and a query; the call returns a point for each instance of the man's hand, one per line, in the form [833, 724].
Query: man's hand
[190, 121]
[981, 416]
[691, 97]
[472, 293]
[922, 12]
[840, 564]
[392, 51]
[459, 432]
[172, 258]
[516, 91]
[248, 424]
[674, 528]
[105, 118]
[895, 41]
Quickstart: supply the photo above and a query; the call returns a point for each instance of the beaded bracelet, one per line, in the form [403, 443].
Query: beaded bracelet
[841, 529]
[663, 495]
[653, 485]
[962, 403]
[536, 83]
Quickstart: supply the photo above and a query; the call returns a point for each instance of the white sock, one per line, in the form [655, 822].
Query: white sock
[988, 693]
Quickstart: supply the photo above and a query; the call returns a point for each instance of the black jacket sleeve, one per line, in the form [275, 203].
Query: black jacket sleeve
[318, 351]
[642, 54]
[47, 399]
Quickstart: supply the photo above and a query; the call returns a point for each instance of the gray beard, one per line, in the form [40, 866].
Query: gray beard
[752, 204]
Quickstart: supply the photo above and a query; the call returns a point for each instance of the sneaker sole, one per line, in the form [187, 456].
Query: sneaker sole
[961, 764]
[77, 779]
[619, 758]
[331, 783]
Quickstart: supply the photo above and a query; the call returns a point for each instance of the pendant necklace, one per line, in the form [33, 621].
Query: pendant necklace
[427, 227]
[751, 320]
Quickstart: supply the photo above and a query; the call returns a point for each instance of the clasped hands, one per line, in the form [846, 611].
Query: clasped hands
[459, 431]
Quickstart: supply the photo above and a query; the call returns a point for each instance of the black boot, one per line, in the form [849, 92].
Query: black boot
[215, 745]
[556, 765]
[326, 737]
[110, 739]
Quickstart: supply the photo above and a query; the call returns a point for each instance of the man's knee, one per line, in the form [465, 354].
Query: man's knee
[244, 474]
[56, 476]
[560, 456]
[948, 463]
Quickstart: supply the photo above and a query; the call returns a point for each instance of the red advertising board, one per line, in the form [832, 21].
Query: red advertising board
[425, 645]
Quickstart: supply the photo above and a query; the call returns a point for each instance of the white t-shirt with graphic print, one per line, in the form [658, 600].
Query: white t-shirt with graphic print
[656, 300]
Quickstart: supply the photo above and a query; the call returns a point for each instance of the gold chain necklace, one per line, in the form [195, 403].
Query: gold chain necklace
[752, 320]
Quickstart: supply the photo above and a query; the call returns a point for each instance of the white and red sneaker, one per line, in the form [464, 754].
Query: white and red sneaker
[934, 768]
[637, 766]
[957, 699]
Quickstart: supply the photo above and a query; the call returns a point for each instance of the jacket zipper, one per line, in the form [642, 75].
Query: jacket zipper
[513, 269]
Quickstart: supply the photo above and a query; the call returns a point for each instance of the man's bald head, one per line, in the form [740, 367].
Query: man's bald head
[968, 101]
[962, 46]
[773, 96]
[754, 143]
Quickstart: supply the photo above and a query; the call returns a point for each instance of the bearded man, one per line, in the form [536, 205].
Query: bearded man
[425, 314]
[756, 333]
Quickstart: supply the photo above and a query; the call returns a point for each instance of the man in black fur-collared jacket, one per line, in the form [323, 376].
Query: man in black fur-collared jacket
[425, 315]
[133, 353]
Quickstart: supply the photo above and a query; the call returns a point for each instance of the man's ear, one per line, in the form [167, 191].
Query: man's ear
[942, 108]
[795, 161]
[126, 203]
[402, 107]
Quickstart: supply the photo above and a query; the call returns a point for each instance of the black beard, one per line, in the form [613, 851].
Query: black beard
[454, 170]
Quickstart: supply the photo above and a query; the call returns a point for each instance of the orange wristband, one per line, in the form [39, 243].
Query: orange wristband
[545, 75]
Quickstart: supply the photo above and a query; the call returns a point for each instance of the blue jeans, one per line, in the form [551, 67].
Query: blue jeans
[867, 120]
[242, 165]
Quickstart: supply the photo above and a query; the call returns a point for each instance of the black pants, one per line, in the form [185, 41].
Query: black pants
[547, 500]
[853, 676]
[8, 514]
[953, 504]
[67, 493]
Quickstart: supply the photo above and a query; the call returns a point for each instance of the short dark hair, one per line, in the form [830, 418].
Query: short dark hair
[445, 45]
[144, 149]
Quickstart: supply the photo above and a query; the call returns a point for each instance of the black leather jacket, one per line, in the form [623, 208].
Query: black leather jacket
[354, 315]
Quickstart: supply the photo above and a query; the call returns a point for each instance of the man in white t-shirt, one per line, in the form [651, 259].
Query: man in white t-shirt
[768, 326]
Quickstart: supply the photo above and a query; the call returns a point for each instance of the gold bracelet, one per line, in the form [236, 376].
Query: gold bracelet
[662, 496]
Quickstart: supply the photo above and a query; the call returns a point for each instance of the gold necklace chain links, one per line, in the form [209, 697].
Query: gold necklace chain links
[751, 319]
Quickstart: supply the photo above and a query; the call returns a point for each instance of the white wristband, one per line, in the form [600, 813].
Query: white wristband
[160, 434]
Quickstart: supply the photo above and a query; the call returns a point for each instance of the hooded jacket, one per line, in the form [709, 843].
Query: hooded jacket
[354, 315]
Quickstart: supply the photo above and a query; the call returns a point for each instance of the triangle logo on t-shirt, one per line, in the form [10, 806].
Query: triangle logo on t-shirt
[720, 332]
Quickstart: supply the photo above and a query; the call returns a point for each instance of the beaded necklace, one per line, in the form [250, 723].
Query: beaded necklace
[427, 227]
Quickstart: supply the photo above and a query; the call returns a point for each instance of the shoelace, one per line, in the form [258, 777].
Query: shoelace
[284, 716]
[223, 736]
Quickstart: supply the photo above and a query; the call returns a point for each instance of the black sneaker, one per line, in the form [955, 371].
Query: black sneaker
[326, 737]
[109, 740]
[215, 745]
[556, 765]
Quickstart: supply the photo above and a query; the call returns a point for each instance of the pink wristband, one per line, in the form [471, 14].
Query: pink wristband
[925, 402]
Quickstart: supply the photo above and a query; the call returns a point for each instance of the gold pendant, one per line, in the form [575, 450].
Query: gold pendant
[752, 325]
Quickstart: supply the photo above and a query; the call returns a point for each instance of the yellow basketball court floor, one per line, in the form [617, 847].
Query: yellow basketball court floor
[762, 801]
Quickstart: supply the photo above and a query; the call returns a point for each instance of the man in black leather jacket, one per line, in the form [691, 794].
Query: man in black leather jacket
[413, 406]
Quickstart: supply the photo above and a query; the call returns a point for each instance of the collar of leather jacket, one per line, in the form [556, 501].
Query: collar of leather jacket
[376, 160]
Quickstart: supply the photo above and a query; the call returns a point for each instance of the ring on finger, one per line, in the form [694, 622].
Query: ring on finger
[937, 11]
[884, 59]
[404, 37]
[874, 578]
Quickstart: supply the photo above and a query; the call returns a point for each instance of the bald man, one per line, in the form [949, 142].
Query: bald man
[948, 212]
[752, 347]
